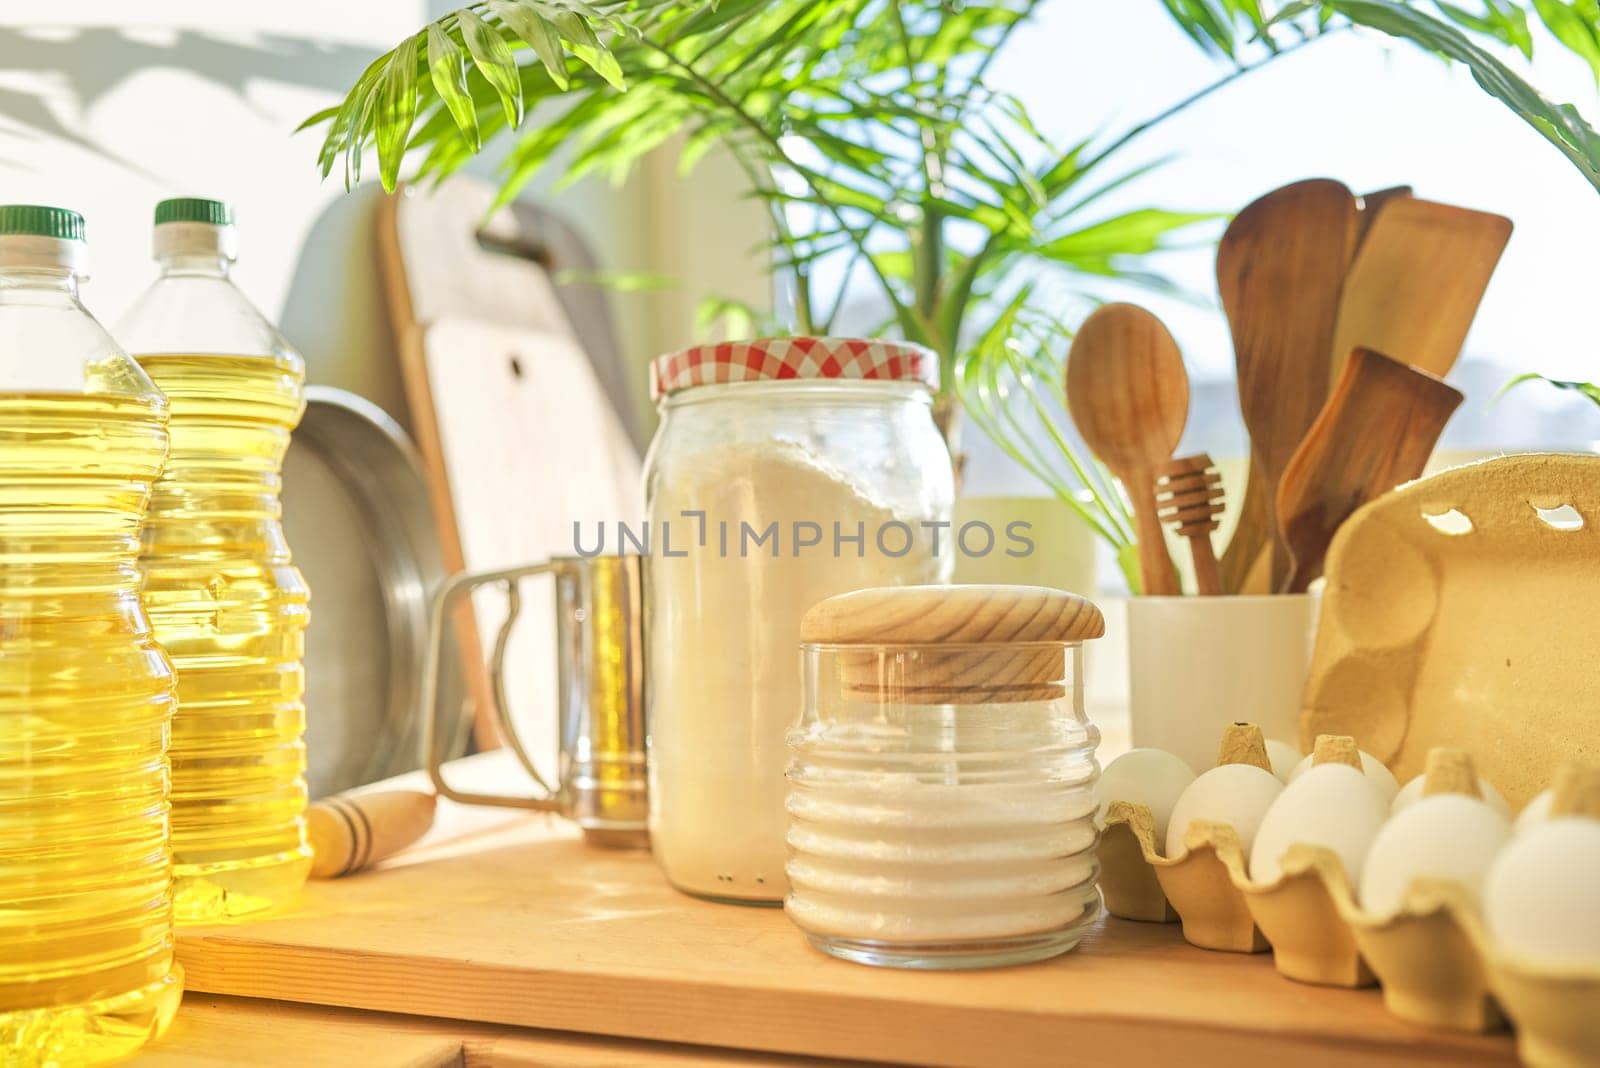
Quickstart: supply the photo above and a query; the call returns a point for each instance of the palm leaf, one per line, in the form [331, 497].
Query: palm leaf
[1586, 389]
[466, 54]
[1576, 24]
[447, 67]
[536, 32]
[1560, 124]
[584, 43]
[1502, 20]
[492, 56]
[396, 107]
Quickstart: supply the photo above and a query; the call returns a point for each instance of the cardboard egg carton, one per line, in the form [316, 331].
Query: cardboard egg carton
[1459, 610]
[1556, 1008]
[1221, 908]
[1128, 883]
[1558, 1025]
[1433, 956]
[1484, 573]
[1439, 968]
[1209, 887]
[1139, 883]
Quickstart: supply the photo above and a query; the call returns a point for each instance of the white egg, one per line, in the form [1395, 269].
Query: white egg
[1411, 793]
[1380, 776]
[1151, 777]
[1445, 836]
[1539, 900]
[1534, 812]
[1235, 794]
[1330, 805]
[1284, 757]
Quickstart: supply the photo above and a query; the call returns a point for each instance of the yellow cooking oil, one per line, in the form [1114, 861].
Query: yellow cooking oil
[86, 698]
[230, 609]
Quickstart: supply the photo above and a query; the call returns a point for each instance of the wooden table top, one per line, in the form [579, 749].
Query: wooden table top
[522, 924]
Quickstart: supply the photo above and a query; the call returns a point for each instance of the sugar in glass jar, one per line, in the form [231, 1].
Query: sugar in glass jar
[941, 777]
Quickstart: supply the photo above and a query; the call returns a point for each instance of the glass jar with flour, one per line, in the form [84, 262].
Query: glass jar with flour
[785, 471]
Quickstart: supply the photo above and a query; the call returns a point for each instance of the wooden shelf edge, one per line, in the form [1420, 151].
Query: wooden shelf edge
[840, 1026]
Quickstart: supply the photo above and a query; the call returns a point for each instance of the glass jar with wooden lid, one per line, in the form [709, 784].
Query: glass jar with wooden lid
[941, 777]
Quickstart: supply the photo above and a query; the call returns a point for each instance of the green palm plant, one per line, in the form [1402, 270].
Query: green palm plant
[866, 127]
[871, 133]
[1590, 390]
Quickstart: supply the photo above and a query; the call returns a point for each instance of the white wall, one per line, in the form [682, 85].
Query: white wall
[107, 107]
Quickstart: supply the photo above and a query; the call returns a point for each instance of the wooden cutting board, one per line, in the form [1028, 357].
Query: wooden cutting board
[521, 923]
[517, 435]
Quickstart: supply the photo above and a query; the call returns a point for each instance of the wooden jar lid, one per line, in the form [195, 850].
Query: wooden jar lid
[1005, 643]
[967, 615]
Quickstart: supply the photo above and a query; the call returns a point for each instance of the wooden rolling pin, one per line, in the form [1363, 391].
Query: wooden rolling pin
[352, 831]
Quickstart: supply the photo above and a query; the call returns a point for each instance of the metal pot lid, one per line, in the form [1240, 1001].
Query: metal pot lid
[359, 522]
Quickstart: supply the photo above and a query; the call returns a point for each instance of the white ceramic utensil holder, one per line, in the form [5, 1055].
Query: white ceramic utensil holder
[1197, 664]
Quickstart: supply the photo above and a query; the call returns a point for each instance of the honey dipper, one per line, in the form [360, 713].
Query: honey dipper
[1189, 499]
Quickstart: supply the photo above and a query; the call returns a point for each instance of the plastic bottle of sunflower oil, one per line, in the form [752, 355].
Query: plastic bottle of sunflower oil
[86, 694]
[222, 594]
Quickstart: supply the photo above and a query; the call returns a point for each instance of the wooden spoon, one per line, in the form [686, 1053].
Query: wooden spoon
[1280, 269]
[1129, 397]
[1416, 283]
[1378, 430]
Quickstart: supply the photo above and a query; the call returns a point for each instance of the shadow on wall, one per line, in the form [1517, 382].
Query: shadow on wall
[332, 310]
[83, 65]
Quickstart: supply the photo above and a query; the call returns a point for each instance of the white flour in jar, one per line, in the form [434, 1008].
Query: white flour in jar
[725, 650]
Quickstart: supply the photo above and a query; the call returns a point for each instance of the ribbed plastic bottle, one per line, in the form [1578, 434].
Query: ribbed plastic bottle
[223, 596]
[86, 694]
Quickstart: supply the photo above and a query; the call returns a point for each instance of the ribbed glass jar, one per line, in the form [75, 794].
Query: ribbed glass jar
[941, 801]
[774, 481]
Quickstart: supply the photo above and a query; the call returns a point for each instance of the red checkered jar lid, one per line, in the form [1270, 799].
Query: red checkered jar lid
[776, 358]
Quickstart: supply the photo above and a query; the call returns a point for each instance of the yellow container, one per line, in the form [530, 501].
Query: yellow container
[86, 695]
[222, 593]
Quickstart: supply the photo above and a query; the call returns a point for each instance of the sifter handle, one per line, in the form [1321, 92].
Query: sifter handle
[450, 595]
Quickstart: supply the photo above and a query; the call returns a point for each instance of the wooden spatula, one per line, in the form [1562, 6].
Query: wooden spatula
[1245, 566]
[1247, 548]
[1415, 285]
[1377, 431]
[1371, 203]
[1280, 270]
[1128, 394]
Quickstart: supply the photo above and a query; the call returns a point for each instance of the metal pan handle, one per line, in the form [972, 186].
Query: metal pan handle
[449, 598]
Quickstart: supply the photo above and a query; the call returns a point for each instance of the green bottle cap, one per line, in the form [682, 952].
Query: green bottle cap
[194, 210]
[34, 220]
